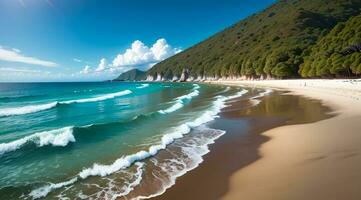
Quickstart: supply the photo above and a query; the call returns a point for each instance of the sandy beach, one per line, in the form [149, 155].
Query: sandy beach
[303, 142]
[311, 161]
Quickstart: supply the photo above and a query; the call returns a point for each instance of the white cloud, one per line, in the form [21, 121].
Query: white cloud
[16, 70]
[14, 55]
[87, 69]
[102, 65]
[77, 60]
[16, 50]
[162, 50]
[137, 56]
[140, 55]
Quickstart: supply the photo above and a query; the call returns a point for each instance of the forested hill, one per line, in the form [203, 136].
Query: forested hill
[131, 75]
[338, 53]
[274, 43]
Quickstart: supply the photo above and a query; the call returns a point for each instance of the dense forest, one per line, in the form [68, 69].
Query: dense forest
[336, 54]
[292, 38]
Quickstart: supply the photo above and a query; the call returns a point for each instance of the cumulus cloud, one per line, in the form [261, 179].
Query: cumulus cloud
[13, 55]
[87, 69]
[140, 55]
[102, 65]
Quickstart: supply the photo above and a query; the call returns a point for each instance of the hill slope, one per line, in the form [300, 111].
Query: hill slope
[270, 43]
[336, 54]
[131, 75]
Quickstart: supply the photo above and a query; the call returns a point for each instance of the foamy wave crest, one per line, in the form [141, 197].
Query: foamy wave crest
[261, 94]
[100, 98]
[179, 101]
[127, 161]
[57, 137]
[177, 132]
[37, 108]
[194, 150]
[43, 191]
[130, 187]
[173, 108]
[26, 109]
[196, 86]
[266, 92]
[143, 86]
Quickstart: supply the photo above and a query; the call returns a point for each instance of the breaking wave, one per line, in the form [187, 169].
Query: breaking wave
[56, 137]
[175, 133]
[179, 101]
[100, 98]
[37, 108]
[125, 162]
[255, 99]
[43, 191]
[143, 86]
[26, 109]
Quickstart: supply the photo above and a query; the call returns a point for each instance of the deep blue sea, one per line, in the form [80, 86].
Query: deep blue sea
[101, 140]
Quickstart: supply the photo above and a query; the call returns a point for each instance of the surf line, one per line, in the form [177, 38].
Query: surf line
[127, 161]
[37, 108]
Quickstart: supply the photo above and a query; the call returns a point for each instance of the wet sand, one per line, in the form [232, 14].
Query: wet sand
[309, 161]
[238, 149]
[313, 161]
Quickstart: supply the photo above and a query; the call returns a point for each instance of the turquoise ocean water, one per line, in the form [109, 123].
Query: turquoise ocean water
[103, 140]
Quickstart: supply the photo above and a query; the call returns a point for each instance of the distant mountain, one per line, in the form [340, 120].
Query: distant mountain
[131, 75]
[272, 43]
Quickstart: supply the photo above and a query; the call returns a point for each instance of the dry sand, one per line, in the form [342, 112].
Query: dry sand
[320, 160]
[244, 122]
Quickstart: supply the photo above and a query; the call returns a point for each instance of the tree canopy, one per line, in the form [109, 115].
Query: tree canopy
[285, 40]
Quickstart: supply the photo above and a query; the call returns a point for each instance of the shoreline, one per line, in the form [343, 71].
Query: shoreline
[322, 156]
[236, 149]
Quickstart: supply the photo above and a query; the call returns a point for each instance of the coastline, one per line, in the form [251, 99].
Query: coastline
[238, 149]
[299, 161]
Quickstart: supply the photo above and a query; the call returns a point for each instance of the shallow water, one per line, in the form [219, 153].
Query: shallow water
[98, 140]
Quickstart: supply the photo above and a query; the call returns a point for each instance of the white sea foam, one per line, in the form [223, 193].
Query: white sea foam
[37, 108]
[130, 186]
[238, 94]
[43, 191]
[177, 132]
[189, 96]
[196, 86]
[126, 161]
[56, 137]
[266, 92]
[99, 98]
[26, 109]
[194, 152]
[143, 86]
[261, 94]
[179, 101]
[173, 108]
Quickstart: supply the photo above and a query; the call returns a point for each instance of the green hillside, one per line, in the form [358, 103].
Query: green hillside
[336, 54]
[131, 75]
[272, 43]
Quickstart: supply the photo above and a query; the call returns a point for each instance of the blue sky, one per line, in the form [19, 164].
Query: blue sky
[88, 40]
